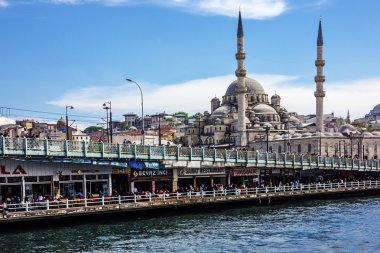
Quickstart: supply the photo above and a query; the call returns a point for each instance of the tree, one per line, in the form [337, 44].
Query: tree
[91, 129]
[182, 113]
[198, 114]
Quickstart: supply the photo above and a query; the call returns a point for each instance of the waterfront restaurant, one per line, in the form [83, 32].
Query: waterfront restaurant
[205, 177]
[24, 179]
[150, 176]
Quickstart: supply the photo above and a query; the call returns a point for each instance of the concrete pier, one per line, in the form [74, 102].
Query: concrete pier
[26, 213]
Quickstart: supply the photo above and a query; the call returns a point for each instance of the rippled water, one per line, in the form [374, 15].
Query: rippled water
[349, 225]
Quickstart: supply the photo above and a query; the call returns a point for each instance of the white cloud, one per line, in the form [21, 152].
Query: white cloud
[194, 96]
[252, 9]
[4, 3]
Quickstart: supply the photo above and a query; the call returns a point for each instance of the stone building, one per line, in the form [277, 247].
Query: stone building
[245, 117]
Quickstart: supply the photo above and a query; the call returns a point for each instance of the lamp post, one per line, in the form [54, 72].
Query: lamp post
[67, 121]
[107, 108]
[142, 108]
[109, 124]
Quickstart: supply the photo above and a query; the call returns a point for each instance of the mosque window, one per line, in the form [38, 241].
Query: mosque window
[299, 148]
[270, 149]
[279, 149]
[309, 148]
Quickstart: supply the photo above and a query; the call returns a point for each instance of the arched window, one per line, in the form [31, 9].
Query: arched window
[279, 149]
[299, 148]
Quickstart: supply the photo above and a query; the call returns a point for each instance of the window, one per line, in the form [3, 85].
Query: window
[299, 148]
[279, 149]
[64, 178]
[91, 177]
[103, 176]
[44, 178]
[77, 177]
[309, 148]
[30, 179]
[14, 179]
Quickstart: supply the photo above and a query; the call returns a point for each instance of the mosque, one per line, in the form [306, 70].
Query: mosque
[246, 118]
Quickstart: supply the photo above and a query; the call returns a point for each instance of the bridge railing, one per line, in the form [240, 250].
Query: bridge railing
[75, 149]
[149, 199]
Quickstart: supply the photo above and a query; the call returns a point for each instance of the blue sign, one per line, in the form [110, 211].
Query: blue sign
[152, 165]
[136, 164]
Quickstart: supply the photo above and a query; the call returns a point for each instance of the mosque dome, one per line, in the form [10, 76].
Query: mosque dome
[275, 96]
[61, 122]
[347, 129]
[221, 111]
[264, 109]
[253, 86]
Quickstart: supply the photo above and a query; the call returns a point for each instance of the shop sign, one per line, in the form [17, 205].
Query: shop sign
[121, 171]
[136, 164]
[200, 171]
[17, 171]
[120, 164]
[276, 172]
[244, 172]
[144, 165]
[151, 173]
[152, 165]
[84, 171]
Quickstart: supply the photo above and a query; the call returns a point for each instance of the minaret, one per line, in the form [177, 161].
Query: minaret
[241, 88]
[319, 80]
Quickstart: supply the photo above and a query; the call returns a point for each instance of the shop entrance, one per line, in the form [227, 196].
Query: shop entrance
[10, 192]
[70, 190]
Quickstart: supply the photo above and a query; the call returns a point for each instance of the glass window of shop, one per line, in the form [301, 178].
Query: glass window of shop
[36, 186]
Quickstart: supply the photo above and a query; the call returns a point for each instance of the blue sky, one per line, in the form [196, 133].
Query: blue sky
[79, 52]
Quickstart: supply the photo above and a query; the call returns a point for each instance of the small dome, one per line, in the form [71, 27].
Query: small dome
[266, 125]
[275, 96]
[264, 109]
[306, 135]
[221, 111]
[61, 122]
[347, 129]
[215, 99]
[367, 134]
[253, 86]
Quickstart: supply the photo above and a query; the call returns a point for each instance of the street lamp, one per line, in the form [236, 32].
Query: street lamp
[108, 136]
[110, 122]
[159, 129]
[67, 121]
[142, 108]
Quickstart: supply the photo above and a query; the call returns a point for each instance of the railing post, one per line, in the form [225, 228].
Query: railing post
[266, 187]
[102, 200]
[203, 154]
[150, 197]
[256, 190]
[164, 153]
[257, 158]
[345, 184]
[149, 152]
[284, 188]
[190, 195]
[85, 148]
[309, 186]
[236, 191]
[66, 148]
[47, 205]
[119, 150]
[85, 202]
[301, 187]
[67, 203]
[202, 192]
[214, 155]
[178, 152]
[2, 145]
[275, 189]
[213, 190]
[164, 194]
[225, 155]
[46, 144]
[225, 192]
[135, 151]
[237, 156]
[324, 185]
[177, 196]
[119, 199]
[27, 206]
[191, 154]
[135, 198]
[25, 140]
[102, 148]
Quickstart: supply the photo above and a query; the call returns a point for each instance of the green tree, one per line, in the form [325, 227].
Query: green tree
[91, 129]
[182, 113]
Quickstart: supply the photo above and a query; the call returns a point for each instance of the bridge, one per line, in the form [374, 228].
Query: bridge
[54, 149]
